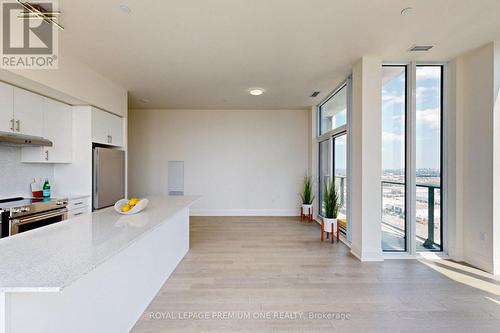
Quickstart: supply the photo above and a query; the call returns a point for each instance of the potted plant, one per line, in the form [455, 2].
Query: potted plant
[330, 208]
[307, 196]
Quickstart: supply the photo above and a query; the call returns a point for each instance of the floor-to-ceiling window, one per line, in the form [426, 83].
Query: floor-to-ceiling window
[394, 88]
[428, 132]
[333, 119]
[412, 158]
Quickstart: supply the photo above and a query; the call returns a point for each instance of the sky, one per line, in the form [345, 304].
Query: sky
[428, 101]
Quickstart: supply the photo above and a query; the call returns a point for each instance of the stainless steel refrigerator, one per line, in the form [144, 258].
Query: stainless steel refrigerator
[108, 177]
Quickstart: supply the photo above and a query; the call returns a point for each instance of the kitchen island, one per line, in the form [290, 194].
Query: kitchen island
[93, 273]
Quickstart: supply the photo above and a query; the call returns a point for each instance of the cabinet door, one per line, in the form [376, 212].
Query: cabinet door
[57, 127]
[58, 118]
[100, 126]
[6, 107]
[107, 128]
[28, 112]
[117, 131]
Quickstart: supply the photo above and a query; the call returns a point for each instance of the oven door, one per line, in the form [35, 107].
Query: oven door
[30, 222]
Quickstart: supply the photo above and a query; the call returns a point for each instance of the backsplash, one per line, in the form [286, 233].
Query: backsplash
[16, 177]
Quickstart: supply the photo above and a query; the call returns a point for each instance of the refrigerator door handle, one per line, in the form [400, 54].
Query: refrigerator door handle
[95, 177]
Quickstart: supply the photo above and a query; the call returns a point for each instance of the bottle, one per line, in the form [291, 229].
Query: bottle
[46, 188]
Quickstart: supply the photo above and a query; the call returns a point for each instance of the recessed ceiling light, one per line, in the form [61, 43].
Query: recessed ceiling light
[126, 9]
[256, 91]
[407, 11]
[144, 100]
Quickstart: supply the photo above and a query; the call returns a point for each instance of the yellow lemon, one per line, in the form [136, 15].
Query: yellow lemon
[125, 208]
[132, 202]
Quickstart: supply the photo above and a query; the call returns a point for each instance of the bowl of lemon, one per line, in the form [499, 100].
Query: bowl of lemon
[130, 206]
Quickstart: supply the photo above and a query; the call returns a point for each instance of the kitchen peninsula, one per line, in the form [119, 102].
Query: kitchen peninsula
[93, 273]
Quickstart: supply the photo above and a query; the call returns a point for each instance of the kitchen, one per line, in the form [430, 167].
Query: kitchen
[63, 168]
[38, 147]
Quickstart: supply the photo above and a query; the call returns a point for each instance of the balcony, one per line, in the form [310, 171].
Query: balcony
[428, 216]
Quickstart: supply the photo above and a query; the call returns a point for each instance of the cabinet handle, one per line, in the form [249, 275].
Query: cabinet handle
[18, 125]
[12, 121]
[110, 139]
[46, 155]
[76, 214]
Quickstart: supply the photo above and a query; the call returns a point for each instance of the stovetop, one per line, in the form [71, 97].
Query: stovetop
[19, 206]
[19, 201]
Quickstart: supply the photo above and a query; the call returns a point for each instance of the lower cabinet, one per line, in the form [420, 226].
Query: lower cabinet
[57, 127]
[78, 206]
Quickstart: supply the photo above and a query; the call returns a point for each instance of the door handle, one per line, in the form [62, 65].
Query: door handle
[18, 125]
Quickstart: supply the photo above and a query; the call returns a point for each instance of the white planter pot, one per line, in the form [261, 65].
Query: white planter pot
[306, 209]
[329, 225]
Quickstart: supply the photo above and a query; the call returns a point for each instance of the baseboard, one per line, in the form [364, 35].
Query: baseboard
[366, 256]
[244, 212]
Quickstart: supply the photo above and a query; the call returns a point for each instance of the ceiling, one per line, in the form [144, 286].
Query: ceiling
[208, 53]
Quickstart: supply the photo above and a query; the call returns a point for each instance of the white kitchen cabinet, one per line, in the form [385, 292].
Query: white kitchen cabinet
[78, 206]
[57, 127]
[107, 128]
[28, 112]
[6, 107]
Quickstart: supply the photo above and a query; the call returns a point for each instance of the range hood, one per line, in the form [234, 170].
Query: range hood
[9, 139]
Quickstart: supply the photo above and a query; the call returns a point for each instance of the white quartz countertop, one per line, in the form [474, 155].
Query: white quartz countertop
[49, 259]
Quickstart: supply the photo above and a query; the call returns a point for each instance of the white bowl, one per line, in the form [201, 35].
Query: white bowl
[137, 208]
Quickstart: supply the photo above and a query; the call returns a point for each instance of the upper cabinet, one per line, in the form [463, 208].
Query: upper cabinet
[107, 128]
[28, 114]
[57, 127]
[20, 111]
[6, 107]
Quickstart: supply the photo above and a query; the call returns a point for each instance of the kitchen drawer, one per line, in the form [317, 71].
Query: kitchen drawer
[78, 203]
[77, 212]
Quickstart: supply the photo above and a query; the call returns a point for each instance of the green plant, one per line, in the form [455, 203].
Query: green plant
[307, 188]
[330, 200]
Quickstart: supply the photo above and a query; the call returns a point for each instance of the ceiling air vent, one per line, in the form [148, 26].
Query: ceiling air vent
[420, 48]
[314, 94]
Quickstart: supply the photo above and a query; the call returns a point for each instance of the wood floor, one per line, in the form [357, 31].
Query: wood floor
[264, 268]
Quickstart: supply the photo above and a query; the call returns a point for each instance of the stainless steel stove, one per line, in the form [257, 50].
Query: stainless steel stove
[23, 214]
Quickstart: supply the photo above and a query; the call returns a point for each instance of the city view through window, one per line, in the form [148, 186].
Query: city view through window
[428, 224]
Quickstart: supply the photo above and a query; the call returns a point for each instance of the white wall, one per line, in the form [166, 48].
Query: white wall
[16, 177]
[243, 162]
[474, 140]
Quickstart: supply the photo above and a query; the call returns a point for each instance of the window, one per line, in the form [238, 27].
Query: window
[325, 168]
[333, 111]
[429, 86]
[393, 158]
[412, 158]
[333, 140]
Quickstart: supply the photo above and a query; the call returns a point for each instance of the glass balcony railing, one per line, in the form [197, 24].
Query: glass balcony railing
[428, 216]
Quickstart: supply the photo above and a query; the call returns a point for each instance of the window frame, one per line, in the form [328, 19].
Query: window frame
[329, 135]
[411, 156]
[407, 114]
[343, 84]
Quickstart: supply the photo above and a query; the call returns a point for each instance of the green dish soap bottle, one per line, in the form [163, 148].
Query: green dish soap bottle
[46, 189]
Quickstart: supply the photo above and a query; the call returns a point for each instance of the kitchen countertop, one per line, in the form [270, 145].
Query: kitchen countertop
[49, 259]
